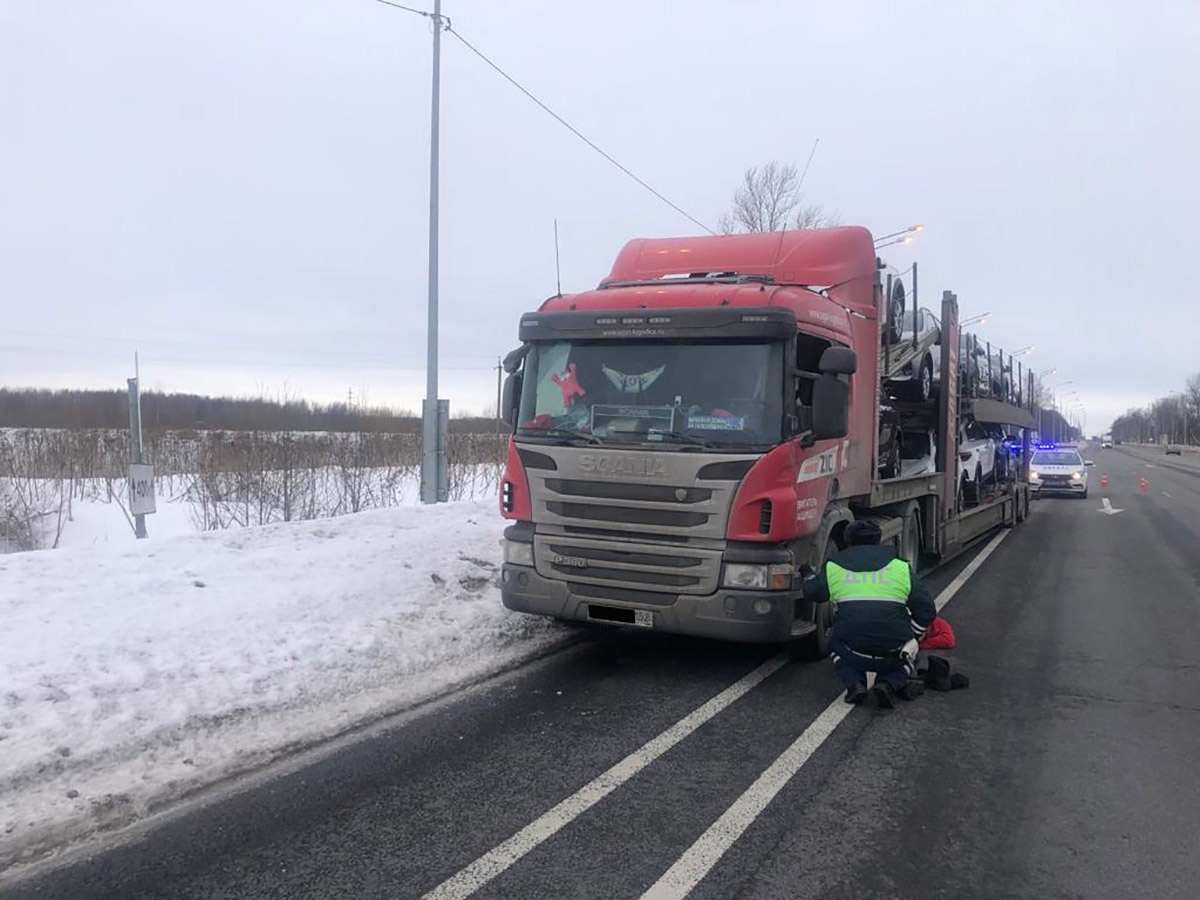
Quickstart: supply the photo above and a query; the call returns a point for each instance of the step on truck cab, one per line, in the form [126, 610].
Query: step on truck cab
[691, 437]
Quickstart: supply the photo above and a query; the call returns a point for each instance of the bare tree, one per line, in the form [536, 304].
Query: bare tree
[769, 199]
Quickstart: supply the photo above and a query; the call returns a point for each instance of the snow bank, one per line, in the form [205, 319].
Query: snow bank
[130, 673]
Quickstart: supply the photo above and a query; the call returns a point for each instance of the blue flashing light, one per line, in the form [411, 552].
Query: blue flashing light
[1047, 446]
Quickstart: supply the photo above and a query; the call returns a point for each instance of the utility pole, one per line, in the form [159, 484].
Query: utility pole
[499, 370]
[135, 442]
[433, 446]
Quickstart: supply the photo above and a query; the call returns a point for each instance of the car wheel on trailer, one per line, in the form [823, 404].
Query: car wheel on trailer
[893, 462]
[920, 388]
[960, 497]
[895, 323]
[815, 645]
[974, 489]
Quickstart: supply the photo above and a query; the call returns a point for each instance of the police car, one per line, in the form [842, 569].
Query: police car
[1059, 469]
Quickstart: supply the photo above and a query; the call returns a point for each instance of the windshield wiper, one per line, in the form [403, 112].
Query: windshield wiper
[681, 437]
[561, 435]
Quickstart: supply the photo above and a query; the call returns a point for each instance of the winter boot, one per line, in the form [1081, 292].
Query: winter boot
[884, 697]
[913, 689]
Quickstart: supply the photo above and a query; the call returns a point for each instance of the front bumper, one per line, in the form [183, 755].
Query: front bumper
[728, 614]
[1038, 487]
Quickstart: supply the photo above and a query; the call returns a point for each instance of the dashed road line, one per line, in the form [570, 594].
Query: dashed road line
[500, 858]
[689, 870]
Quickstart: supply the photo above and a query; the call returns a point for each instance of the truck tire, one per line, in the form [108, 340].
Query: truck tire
[910, 538]
[815, 646]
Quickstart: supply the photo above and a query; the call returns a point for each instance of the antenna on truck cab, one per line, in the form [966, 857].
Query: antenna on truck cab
[799, 186]
[557, 268]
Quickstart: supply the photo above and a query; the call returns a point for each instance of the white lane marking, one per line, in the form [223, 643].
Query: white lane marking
[495, 861]
[1165, 494]
[964, 576]
[688, 871]
[1107, 508]
[1149, 465]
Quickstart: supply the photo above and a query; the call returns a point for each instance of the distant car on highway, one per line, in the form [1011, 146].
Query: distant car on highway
[1106, 445]
[1174, 450]
[1060, 470]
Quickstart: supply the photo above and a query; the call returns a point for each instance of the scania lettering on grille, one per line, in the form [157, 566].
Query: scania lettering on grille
[634, 466]
[577, 562]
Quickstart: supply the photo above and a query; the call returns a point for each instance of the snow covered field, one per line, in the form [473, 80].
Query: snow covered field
[134, 671]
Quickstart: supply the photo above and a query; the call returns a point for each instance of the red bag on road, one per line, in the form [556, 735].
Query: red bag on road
[938, 636]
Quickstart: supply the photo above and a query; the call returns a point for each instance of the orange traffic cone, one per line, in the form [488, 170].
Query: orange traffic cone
[1142, 483]
[1104, 480]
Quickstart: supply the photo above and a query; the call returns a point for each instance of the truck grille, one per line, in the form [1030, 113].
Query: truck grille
[615, 562]
[638, 527]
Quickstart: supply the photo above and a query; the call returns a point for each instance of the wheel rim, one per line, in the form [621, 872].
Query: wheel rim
[926, 381]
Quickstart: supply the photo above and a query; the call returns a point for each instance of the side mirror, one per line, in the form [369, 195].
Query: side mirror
[831, 405]
[511, 400]
[838, 361]
[1088, 462]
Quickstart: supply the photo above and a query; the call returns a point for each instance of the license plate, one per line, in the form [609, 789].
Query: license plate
[643, 618]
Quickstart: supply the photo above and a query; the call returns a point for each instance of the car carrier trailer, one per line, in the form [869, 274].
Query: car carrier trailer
[692, 437]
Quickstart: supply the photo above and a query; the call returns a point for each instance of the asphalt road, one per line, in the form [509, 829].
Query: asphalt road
[1068, 769]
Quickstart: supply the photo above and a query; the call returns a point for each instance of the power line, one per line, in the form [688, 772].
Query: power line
[419, 12]
[128, 342]
[575, 131]
[251, 364]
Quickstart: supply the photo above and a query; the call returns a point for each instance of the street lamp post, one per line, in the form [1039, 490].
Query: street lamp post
[1053, 370]
[1054, 401]
[975, 320]
[1183, 411]
[903, 236]
[1059, 419]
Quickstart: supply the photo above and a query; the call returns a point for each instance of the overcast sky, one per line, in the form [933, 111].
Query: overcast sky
[238, 189]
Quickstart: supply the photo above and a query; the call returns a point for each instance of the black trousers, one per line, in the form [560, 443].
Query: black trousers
[853, 667]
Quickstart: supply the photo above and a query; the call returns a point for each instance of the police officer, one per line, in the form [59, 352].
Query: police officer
[880, 611]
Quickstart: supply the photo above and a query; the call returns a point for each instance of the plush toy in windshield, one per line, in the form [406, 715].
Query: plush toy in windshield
[568, 383]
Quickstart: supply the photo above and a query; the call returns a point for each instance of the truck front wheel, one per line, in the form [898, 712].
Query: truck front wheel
[815, 645]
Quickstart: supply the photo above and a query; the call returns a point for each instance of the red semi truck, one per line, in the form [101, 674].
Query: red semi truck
[691, 438]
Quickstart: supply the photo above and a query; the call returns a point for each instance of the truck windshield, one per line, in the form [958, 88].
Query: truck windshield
[726, 394]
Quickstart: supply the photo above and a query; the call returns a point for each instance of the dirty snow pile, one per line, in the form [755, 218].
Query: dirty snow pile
[133, 672]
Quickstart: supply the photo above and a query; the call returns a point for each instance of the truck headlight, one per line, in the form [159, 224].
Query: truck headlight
[518, 553]
[775, 577]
